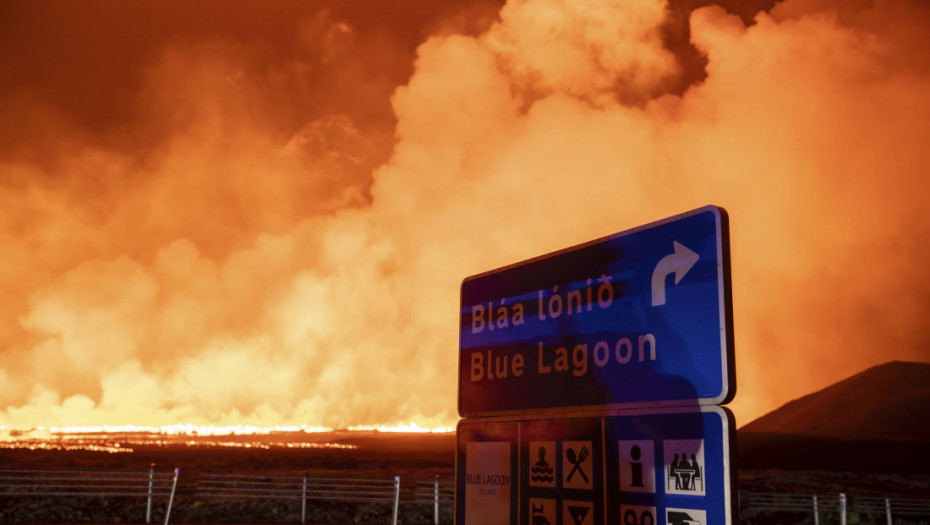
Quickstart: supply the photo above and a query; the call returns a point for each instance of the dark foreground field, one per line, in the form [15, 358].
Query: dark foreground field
[373, 453]
[372, 456]
[413, 457]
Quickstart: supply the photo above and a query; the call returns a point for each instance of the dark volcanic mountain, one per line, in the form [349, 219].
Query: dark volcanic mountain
[877, 421]
[886, 402]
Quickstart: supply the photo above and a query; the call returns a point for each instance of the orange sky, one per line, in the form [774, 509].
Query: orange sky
[249, 213]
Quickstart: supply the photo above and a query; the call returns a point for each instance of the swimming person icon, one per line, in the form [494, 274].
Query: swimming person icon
[542, 472]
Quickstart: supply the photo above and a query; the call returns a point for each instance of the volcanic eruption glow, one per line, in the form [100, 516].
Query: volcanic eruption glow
[260, 217]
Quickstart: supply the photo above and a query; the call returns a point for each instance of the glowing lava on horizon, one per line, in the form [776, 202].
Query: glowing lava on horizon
[117, 439]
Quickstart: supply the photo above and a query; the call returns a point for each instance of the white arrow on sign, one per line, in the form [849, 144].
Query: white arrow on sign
[680, 261]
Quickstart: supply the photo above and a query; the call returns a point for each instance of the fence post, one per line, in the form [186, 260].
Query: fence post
[303, 510]
[174, 485]
[148, 507]
[888, 510]
[436, 500]
[396, 499]
[842, 508]
[816, 511]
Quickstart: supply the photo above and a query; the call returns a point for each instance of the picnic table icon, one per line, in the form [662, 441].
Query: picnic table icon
[685, 474]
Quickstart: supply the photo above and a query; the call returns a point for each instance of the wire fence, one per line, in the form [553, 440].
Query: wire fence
[161, 490]
[32, 483]
[163, 487]
[837, 508]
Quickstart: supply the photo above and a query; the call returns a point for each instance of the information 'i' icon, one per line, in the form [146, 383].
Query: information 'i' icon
[637, 466]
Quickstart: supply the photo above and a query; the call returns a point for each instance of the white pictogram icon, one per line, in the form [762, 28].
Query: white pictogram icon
[684, 466]
[576, 465]
[685, 517]
[678, 262]
[578, 513]
[634, 515]
[542, 461]
[637, 466]
[542, 511]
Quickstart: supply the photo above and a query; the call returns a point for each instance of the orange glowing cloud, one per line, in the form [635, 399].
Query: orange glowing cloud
[258, 248]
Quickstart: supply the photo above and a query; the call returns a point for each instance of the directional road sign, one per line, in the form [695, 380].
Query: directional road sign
[640, 318]
[668, 466]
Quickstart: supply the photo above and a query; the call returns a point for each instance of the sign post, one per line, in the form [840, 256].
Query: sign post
[590, 378]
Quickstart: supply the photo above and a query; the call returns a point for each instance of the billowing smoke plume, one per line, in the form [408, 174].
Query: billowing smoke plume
[260, 238]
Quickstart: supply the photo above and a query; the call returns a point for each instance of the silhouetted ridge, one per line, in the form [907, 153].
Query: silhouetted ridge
[886, 402]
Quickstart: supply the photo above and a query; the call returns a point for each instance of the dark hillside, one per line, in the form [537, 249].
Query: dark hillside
[886, 402]
[875, 421]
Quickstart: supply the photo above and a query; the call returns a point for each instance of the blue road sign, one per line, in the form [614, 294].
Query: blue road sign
[672, 465]
[668, 466]
[640, 318]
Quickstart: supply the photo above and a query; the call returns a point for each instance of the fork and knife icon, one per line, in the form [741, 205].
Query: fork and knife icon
[577, 459]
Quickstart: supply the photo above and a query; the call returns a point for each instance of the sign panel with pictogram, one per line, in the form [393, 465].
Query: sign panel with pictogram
[638, 515]
[640, 318]
[542, 511]
[632, 467]
[669, 462]
[578, 512]
[576, 462]
[637, 466]
[685, 517]
[542, 458]
[576, 466]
